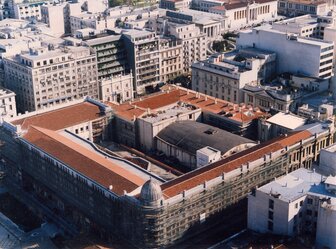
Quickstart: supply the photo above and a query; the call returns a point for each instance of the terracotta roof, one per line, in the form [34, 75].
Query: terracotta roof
[126, 110]
[308, 2]
[173, 95]
[62, 118]
[219, 7]
[228, 164]
[236, 5]
[88, 163]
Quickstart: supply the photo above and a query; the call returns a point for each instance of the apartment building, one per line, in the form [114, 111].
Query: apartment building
[171, 54]
[224, 75]
[7, 104]
[111, 54]
[294, 54]
[300, 203]
[48, 76]
[30, 10]
[194, 41]
[144, 58]
[97, 21]
[57, 16]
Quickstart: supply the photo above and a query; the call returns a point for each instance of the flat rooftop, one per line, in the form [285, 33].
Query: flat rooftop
[102, 40]
[299, 183]
[287, 120]
[292, 186]
[300, 21]
[173, 111]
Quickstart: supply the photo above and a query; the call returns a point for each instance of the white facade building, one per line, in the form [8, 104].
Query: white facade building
[295, 54]
[194, 41]
[302, 202]
[57, 16]
[328, 160]
[116, 89]
[48, 76]
[224, 76]
[242, 14]
[320, 27]
[7, 103]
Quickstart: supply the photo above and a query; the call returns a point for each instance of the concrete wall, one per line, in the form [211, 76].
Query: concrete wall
[292, 55]
[326, 227]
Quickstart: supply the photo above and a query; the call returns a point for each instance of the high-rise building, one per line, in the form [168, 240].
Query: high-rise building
[144, 58]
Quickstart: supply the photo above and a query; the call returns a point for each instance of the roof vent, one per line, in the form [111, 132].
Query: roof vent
[210, 131]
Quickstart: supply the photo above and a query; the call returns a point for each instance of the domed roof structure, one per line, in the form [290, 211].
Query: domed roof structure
[151, 193]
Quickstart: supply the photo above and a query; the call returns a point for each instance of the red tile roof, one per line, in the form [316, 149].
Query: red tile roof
[83, 160]
[62, 118]
[173, 95]
[228, 164]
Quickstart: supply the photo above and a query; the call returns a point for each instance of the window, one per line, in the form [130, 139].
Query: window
[270, 225]
[301, 203]
[309, 212]
[310, 201]
[270, 215]
[271, 204]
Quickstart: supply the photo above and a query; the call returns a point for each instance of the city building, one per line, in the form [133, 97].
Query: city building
[294, 54]
[302, 202]
[111, 55]
[320, 27]
[183, 141]
[327, 163]
[57, 16]
[97, 21]
[139, 121]
[175, 4]
[279, 124]
[297, 8]
[241, 14]
[194, 41]
[118, 88]
[143, 208]
[171, 55]
[7, 103]
[30, 10]
[285, 94]
[323, 112]
[225, 75]
[51, 75]
[212, 25]
[144, 59]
